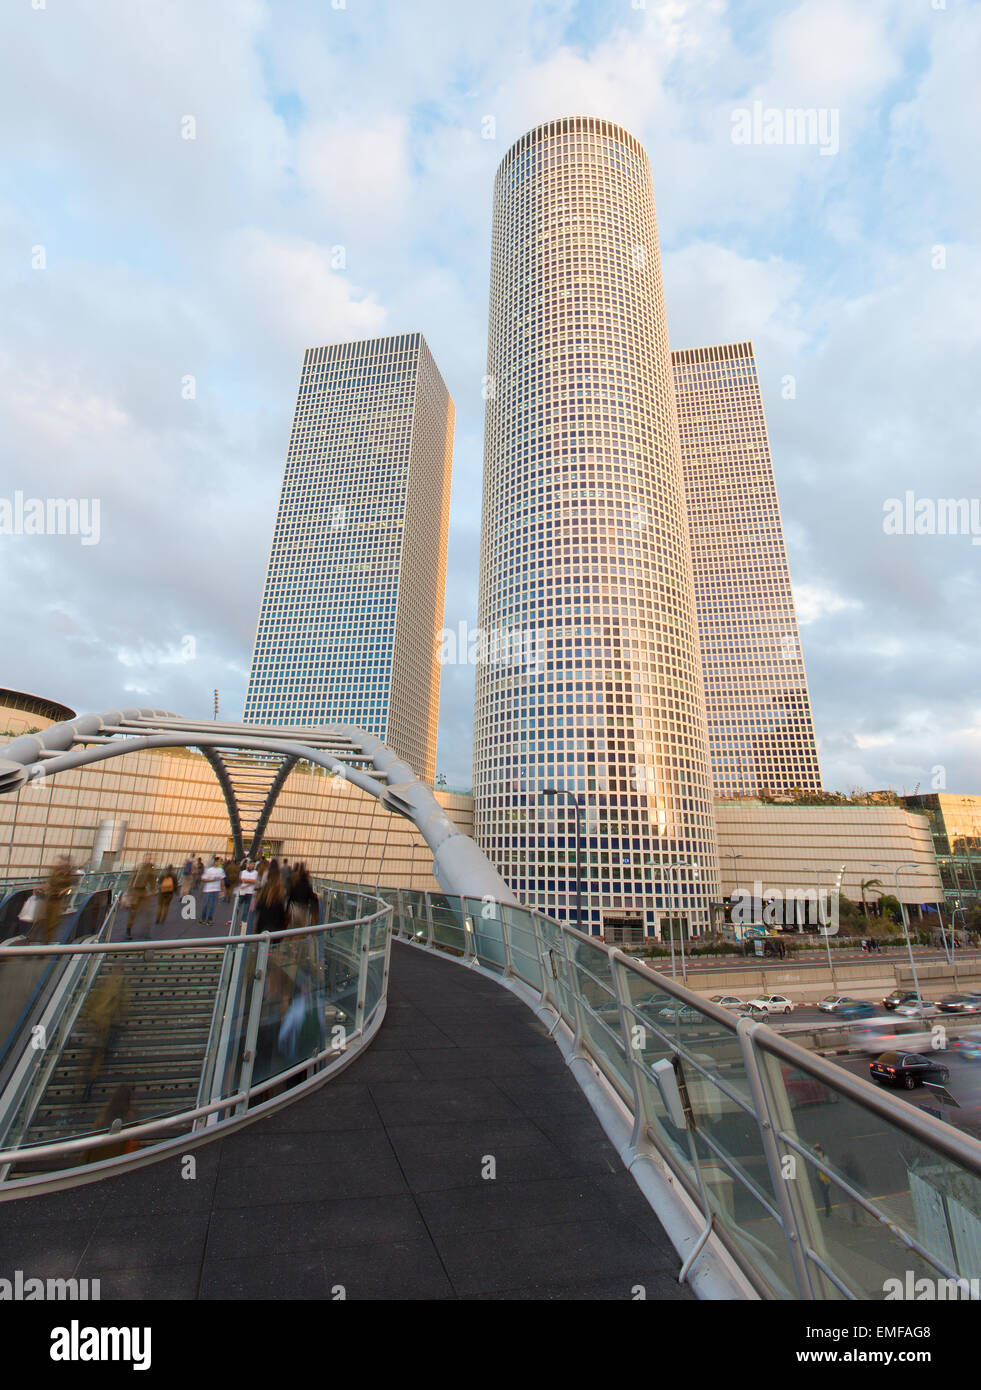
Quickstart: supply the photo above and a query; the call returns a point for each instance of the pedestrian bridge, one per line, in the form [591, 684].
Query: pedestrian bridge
[430, 1095]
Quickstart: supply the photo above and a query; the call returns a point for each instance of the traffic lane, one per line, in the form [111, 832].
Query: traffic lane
[964, 1085]
[897, 955]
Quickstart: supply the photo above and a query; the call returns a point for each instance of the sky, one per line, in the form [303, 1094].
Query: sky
[194, 194]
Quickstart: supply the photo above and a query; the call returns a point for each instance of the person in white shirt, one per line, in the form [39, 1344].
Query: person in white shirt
[211, 885]
[247, 881]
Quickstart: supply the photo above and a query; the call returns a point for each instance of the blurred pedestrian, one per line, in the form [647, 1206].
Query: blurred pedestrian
[60, 883]
[270, 901]
[211, 882]
[144, 882]
[301, 899]
[166, 889]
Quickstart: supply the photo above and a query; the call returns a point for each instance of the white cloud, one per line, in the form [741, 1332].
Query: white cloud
[813, 603]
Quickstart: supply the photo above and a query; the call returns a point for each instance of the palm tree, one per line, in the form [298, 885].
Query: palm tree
[869, 883]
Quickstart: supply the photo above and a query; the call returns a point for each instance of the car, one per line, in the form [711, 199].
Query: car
[726, 1001]
[966, 1046]
[831, 1003]
[907, 1069]
[898, 996]
[883, 1035]
[858, 1008]
[960, 1004]
[917, 1009]
[751, 1011]
[683, 1013]
[773, 1004]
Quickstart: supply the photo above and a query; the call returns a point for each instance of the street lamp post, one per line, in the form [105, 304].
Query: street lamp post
[679, 864]
[902, 908]
[827, 935]
[733, 856]
[559, 791]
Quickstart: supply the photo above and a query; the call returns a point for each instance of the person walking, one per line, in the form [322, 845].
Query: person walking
[187, 877]
[144, 882]
[198, 874]
[59, 885]
[270, 901]
[301, 899]
[232, 872]
[166, 889]
[247, 883]
[211, 881]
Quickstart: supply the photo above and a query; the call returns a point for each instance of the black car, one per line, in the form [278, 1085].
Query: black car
[907, 1069]
[899, 996]
[960, 1004]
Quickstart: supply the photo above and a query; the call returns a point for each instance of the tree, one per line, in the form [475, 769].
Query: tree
[890, 909]
[869, 883]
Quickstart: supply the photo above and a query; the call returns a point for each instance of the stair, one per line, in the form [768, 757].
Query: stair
[159, 1048]
[251, 776]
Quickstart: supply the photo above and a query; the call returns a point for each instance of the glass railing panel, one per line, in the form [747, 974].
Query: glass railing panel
[374, 983]
[415, 919]
[130, 1049]
[233, 1028]
[525, 959]
[902, 1178]
[292, 1014]
[592, 959]
[601, 1026]
[379, 930]
[449, 925]
[342, 957]
[487, 934]
[557, 973]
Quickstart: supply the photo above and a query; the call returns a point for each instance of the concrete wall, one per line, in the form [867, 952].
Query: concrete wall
[774, 843]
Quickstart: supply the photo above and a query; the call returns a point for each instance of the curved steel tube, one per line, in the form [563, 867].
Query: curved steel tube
[459, 866]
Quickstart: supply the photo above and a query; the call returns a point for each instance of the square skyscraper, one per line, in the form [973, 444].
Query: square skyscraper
[761, 737]
[357, 574]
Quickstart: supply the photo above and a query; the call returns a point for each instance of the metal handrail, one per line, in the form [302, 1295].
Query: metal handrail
[564, 995]
[182, 942]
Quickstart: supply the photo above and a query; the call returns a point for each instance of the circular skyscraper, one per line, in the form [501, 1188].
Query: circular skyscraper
[590, 730]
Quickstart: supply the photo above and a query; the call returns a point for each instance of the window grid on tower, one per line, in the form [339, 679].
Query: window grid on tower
[585, 546]
[761, 736]
[355, 587]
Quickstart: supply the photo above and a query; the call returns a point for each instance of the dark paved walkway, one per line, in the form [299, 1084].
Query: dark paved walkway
[375, 1184]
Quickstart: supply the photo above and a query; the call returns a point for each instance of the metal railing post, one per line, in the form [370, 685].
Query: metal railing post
[506, 941]
[550, 998]
[641, 1117]
[578, 1050]
[362, 981]
[388, 954]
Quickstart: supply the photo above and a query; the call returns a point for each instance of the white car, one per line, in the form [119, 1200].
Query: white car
[831, 1003]
[882, 1035]
[922, 1010]
[726, 1001]
[773, 1004]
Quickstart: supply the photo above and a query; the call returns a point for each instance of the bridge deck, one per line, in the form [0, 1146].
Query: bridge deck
[375, 1183]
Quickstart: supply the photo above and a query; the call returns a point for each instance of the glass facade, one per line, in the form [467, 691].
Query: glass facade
[955, 823]
[354, 593]
[761, 737]
[590, 729]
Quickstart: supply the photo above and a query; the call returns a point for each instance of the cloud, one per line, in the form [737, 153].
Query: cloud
[214, 258]
[813, 603]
